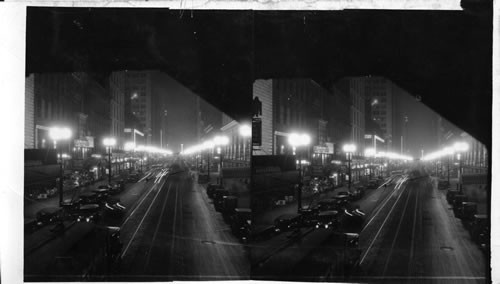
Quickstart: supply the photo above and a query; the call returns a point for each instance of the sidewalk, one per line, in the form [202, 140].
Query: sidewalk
[32, 206]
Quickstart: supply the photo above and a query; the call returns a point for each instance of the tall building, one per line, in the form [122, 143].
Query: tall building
[355, 88]
[302, 105]
[116, 89]
[138, 95]
[53, 99]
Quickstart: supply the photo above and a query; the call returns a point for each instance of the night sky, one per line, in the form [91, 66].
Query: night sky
[180, 104]
[442, 56]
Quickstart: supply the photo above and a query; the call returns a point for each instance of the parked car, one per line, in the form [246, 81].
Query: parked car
[334, 203]
[450, 195]
[309, 215]
[467, 210]
[327, 220]
[227, 204]
[480, 230]
[287, 222]
[457, 202]
[49, 215]
[88, 213]
[90, 198]
[241, 222]
[117, 187]
[211, 188]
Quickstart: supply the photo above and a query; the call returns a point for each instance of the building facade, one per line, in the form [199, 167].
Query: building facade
[138, 93]
[238, 153]
[355, 88]
[116, 89]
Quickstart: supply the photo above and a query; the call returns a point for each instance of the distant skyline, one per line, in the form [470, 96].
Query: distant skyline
[180, 103]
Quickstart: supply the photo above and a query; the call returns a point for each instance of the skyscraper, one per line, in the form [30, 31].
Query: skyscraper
[138, 93]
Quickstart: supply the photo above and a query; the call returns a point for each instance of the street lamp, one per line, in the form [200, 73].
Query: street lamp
[449, 151]
[370, 153]
[349, 149]
[56, 134]
[459, 148]
[109, 143]
[208, 145]
[297, 140]
[220, 141]
[245, 132]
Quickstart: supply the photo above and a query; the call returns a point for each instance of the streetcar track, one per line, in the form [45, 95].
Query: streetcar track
[412, 244]
[387, 198]
[157, 227]
[398, 230]
[382, 226]
[140, 223]
[138, 205]
[172, 245]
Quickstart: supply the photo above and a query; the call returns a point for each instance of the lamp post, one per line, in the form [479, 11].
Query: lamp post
[349, 149]
[109, 143]
[459, 148]
[298, 140]
[220, 141]
[209, 145]
[57, 134]
[370, 153]
[245, 132]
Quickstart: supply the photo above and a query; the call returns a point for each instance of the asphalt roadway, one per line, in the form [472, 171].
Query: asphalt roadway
[172, 232]
[415, 238]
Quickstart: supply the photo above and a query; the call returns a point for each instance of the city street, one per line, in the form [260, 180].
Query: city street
[173, 232]
[417, 239]
[310, 254]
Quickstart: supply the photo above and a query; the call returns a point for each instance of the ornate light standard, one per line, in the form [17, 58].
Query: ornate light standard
[297, 140]
[209, 145]
[57, 134]
[220, 141]
[245, 132]
[370, 153]
[349, 149]
[459, 148]
[109, 143]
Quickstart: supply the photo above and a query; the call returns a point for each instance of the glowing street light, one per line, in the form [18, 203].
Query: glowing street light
[349, 149]
[220, 141]
[129, 146]
[109, 142]
[298, 140]
[245, 130]
[459, 148]
[56, 134]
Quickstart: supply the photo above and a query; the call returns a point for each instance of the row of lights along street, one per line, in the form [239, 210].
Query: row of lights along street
[58, 134]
